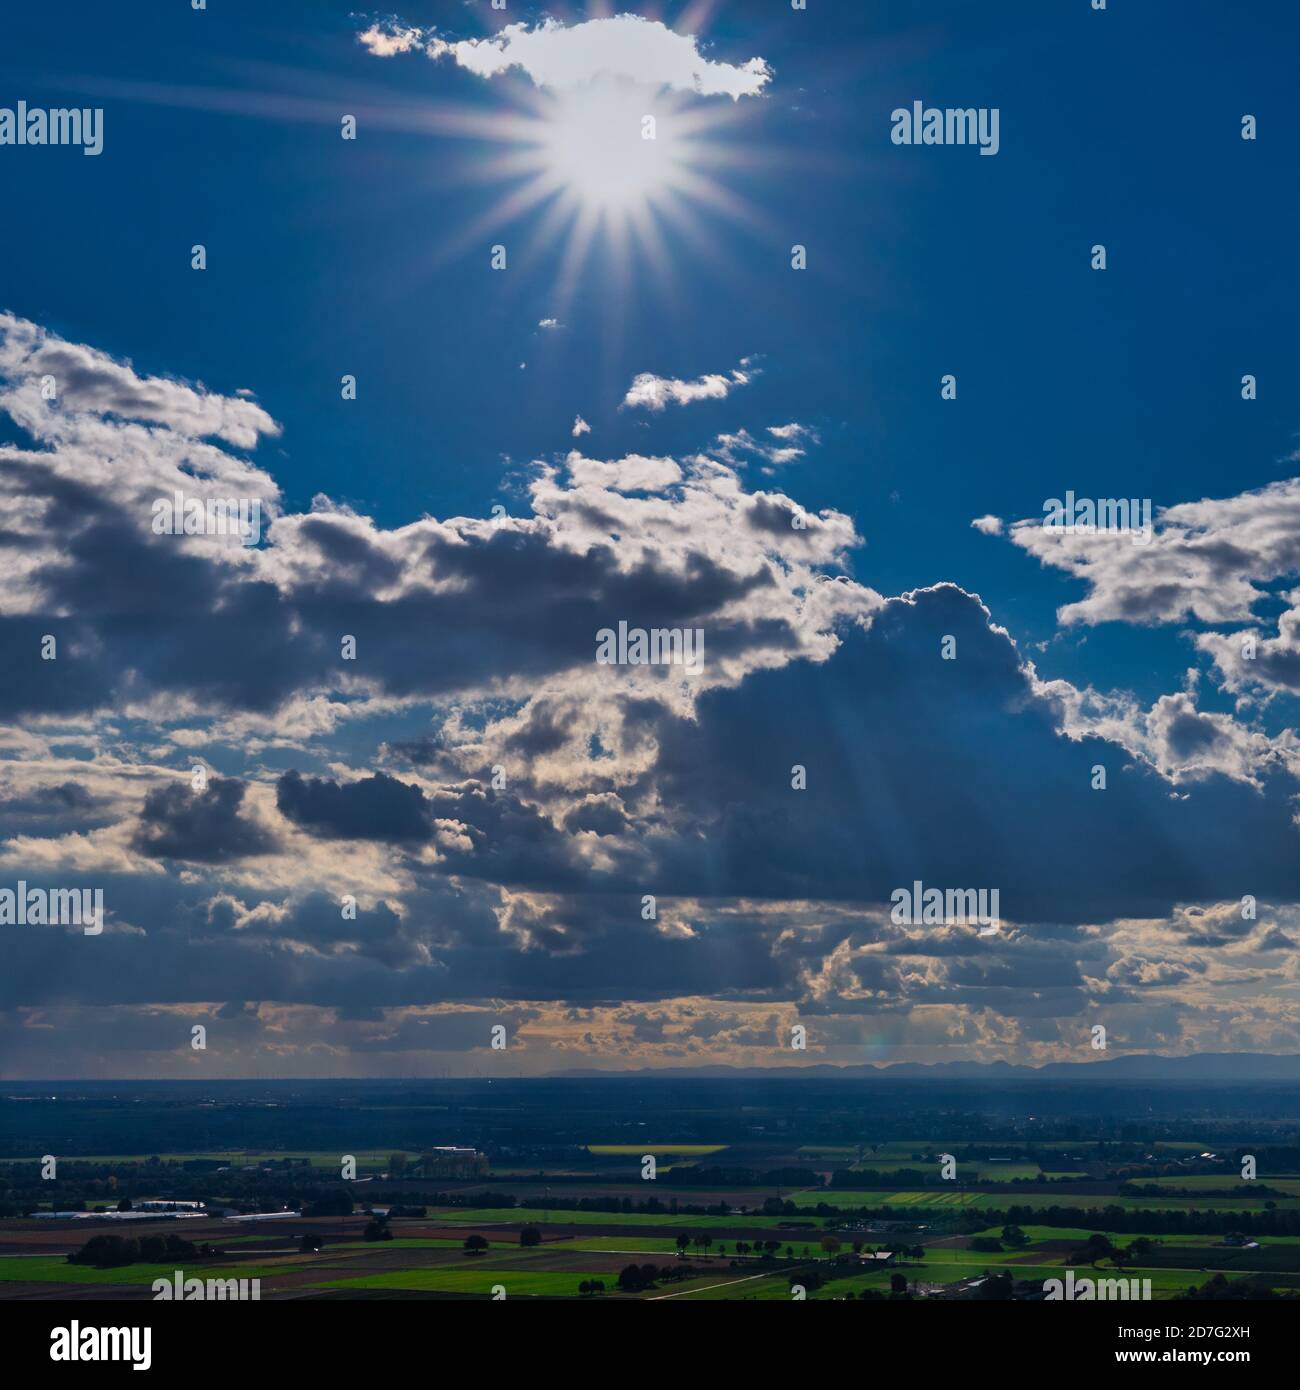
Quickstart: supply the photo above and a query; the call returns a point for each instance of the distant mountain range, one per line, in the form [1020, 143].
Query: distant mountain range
[1200, 1068]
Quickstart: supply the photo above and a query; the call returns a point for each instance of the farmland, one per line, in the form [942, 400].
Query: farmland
[418, 1262]
[560, 1202]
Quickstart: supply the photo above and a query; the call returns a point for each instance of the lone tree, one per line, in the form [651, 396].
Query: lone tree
[475, 1245]
[1096, 1247]
[530, 1235]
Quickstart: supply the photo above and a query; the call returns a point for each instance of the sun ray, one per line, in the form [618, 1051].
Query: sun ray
[607, 162]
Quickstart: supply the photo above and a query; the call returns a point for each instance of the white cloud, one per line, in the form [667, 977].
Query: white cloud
[635, 473]
[794, 433]
[548, 323]
[1205, 560]
[988, 525]
[386, 40]
[1250, 659]
[733, 446]
[635, 521]
[1182, 742]
[580, 427]
[88, 382]
[1210, 561]
[561, 57]
[651, 392]
[113, 431]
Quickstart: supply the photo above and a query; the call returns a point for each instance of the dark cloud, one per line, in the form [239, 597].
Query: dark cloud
[65, 808]
[602, 814]
[202, 826]
[152, 616]
[373, 808]
[956, 773]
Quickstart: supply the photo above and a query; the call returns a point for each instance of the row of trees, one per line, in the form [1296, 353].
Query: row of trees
[639, 1278]
[107, 1252]
[1254, 1287]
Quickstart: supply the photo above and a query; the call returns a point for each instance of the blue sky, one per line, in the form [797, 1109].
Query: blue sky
[323, 260]
[372, 257]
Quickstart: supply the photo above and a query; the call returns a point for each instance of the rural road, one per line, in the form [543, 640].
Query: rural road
[707, 1287]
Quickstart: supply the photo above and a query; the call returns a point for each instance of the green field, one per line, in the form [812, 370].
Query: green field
[636, 1150]
[1227, 1182]
[639, 1245]
[957, 1197]
[735, 1286]
[36, 1269]
[456, 1279]
[905, 1151]
[513, 1216]
[999, 1201]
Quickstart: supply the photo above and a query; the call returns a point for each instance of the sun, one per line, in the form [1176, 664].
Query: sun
[638, 167]
[610, 146]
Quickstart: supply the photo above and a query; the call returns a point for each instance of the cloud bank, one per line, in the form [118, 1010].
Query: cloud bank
[496, 807]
